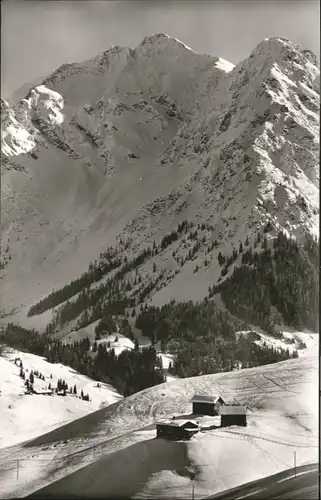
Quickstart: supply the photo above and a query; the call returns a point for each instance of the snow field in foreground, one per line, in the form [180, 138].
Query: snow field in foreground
[282, 406]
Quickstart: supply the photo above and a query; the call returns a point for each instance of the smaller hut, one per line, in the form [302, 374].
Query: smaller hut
[233, 415]
[206, 405]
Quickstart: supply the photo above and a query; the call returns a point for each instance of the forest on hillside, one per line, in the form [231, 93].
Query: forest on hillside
[131, 371]
[110, 260]
[272, 280]
[204, 339]
[283, 275]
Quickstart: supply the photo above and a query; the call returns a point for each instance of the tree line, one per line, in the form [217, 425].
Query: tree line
[116, 288]
[96, 271]
[283, 275]
[129, 372]
[203, 339]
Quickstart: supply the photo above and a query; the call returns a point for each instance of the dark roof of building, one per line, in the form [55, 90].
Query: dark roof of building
[232, 410]
[203, 398]
[177, 423]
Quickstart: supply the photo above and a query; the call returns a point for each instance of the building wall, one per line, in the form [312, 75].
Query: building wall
[173, 433]
[217, 406]
[204, 409]
[227, 420]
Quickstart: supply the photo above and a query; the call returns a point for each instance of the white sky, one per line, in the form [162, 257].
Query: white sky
[38, 36]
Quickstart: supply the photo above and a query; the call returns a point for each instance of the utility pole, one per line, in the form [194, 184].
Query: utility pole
[17, 469]
[295, 464]
[192, 491]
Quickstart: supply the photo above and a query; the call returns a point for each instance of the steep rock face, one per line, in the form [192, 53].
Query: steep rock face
[256, 149]
[132, 142]
[15, 136]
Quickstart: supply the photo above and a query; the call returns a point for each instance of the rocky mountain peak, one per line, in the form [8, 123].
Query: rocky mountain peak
[293, 59]
[4, 104]
[155, 38]
[5, 111]
[141, 138]
[162, 40]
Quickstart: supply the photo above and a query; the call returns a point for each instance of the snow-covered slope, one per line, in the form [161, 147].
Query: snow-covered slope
[116, 454]
[304, 343]
[25, 416]
[132, 142]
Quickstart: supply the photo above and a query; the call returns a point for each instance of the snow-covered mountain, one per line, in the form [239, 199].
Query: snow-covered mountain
[146, 175]
[127, 145]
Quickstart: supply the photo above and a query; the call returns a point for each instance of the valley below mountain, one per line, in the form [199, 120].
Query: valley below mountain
[113, 452]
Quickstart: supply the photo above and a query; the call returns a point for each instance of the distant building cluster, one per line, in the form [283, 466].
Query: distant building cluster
[203, 405]
[60, 390]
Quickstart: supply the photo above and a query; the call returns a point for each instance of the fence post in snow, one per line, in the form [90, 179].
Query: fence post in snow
[294, 464]
[17, 469]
